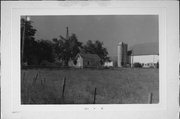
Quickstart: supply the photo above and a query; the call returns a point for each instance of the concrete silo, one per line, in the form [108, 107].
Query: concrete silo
[125, 50]
[122, 54]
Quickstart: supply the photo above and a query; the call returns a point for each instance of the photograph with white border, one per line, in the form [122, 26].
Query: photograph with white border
[26, 92]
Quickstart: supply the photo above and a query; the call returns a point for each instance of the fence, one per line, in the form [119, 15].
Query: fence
[43, 83]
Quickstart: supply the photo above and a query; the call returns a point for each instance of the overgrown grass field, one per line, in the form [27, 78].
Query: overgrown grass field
[113, 86]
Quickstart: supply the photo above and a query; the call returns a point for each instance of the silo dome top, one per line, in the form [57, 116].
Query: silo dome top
[120, 43]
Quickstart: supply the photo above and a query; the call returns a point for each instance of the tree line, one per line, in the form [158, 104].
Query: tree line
[62, 49]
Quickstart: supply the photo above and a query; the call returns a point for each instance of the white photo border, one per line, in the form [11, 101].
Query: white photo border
[168, 54]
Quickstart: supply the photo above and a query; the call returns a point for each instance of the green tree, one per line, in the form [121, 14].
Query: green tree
[28, 43]
[45, 51]
[97, 48]
[67, 48]
[34, 51]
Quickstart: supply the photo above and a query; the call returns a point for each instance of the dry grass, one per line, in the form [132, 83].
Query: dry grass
[114, 86]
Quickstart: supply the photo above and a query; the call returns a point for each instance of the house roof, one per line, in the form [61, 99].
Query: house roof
[145, 49]
[89, 56]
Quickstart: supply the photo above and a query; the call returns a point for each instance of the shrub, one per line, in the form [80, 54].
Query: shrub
[157, 65]
[137, 65]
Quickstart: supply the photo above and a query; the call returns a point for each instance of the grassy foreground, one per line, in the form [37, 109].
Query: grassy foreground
[113, 86]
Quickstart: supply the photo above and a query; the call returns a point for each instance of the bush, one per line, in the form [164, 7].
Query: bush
[137, 65]
[157, 65]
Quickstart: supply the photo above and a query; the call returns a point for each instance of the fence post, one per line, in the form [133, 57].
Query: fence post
[94, 101]
[35, 78]
[150, 98]
[64, 85]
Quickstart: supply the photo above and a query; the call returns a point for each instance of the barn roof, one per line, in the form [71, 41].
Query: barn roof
[145, 49]
[89, 56]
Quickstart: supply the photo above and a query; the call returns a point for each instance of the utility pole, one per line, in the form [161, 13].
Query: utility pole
[23, 37]
[67, 33]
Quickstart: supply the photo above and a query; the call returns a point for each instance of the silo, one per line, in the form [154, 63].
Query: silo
[120, 53]
[125, 47]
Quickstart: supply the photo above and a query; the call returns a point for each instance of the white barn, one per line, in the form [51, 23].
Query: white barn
[145, 60]
[146, 54]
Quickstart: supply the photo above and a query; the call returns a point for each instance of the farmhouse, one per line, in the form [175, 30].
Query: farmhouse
[87, 60]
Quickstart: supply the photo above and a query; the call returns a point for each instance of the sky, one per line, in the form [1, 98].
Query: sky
[110, 29]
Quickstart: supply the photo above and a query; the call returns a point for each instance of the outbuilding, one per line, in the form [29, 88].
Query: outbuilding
[87, 60]
[145, 54]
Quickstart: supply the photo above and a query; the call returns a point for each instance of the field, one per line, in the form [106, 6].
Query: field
[77, 86]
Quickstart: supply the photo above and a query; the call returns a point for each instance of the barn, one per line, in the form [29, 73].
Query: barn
[146, 60]
[87, 60]
[146, 54]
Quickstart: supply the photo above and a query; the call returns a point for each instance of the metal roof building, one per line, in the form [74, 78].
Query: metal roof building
[146, 54]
